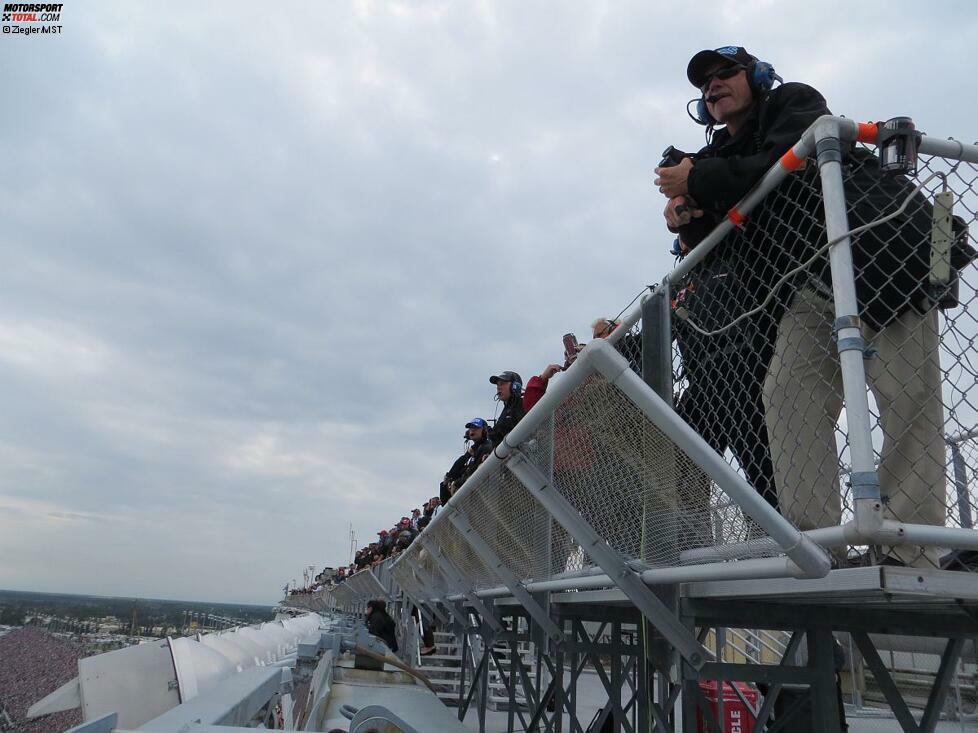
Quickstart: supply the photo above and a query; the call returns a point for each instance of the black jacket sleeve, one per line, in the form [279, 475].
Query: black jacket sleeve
[508, 419]
[719, 182]
[458, 468]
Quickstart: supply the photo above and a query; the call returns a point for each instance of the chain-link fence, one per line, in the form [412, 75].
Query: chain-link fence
[757, 375]
[757, 369]
[822, 400]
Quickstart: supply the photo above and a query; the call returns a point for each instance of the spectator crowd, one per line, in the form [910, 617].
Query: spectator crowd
[33, 663]
[480, 438]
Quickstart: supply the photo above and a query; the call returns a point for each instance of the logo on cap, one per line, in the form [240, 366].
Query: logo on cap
[728, 50]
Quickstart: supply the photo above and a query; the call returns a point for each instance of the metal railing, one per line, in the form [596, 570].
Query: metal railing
[827, 272]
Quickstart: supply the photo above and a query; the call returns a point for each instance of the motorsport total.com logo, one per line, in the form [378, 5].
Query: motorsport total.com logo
[20, 18]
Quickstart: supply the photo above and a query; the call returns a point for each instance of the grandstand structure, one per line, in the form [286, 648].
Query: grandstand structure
[606, 533]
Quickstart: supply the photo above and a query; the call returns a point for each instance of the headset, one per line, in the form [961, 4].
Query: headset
[515, 386]
[760, 77]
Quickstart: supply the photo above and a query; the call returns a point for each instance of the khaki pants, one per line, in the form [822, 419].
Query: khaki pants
[803, 401]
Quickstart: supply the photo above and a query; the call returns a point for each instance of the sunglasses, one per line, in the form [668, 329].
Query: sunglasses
[727, 72]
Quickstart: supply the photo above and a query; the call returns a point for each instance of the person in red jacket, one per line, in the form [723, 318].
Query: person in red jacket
[537, 386]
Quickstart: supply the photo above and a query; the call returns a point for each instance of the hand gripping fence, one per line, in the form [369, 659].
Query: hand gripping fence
[823, 358]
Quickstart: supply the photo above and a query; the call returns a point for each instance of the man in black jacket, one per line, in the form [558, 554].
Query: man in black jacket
[802, 389]
[509, 391]
[724, 373]
[481, 448]
[476, 431]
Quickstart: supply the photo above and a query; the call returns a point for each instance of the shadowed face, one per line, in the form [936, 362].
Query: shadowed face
[728, 100]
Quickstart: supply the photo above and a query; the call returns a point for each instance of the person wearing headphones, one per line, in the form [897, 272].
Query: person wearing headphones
[478, 447]
[479, 450]
[509, 391]
[750, 124]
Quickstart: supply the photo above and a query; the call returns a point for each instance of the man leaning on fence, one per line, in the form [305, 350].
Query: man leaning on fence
[803, 389]
[725, 370]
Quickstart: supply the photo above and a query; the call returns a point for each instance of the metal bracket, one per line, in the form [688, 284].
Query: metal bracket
[846, 322]
[609, 560]
[829, 150]
[455, 578]
[507, 576]
[865, 484]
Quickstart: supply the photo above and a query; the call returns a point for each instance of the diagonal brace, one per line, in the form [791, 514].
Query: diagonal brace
[432, 605]
[455, 578]
[885, 681]
[945, 673]
[609, 559]
[507, 576]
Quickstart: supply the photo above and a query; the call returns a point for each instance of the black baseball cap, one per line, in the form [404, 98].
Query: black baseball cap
[476, 422]
[696, 71]
[505, 377]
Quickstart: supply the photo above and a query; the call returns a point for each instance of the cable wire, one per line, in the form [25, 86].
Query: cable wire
[818, 253]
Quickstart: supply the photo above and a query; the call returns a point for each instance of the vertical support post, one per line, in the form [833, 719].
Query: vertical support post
[825, 703]
[961, 485]
[484, 679]
[644, 680]
[513, 655]
[576, 630]
[463, 642]
[614, 694]
[561, 691]
[657, 373]
[690, 696]
[720, 637]
[865, 479]
[657, 343]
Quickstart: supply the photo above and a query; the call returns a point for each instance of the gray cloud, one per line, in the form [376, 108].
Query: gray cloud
[257, 263]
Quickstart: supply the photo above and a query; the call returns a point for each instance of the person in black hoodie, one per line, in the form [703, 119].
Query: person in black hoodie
[509, 391]
[380, 624]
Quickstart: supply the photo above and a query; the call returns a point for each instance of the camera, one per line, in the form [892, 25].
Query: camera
[672, 156]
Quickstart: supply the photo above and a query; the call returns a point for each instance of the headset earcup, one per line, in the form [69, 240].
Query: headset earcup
[517, 388]
[762, 76]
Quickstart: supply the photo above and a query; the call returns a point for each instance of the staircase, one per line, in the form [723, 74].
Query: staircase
[444, 669]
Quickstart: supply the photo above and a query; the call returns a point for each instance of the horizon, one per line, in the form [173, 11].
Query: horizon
[139, 598]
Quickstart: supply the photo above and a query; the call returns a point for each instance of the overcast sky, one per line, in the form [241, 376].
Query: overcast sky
[258, 261]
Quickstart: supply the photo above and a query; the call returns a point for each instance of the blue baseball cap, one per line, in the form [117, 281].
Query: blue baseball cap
[476, 422]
